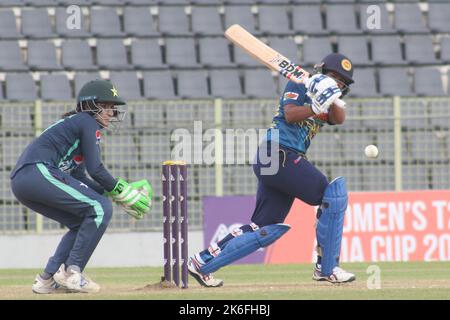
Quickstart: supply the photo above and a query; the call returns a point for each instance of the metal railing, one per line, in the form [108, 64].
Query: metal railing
[412, 134]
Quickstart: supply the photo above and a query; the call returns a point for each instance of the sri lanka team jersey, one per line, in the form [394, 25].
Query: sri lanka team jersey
[296, 136]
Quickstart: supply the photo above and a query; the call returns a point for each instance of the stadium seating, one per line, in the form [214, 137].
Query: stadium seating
[8, 25]
[20, 87]
[387, 50]
[112, 54]
[445, 50]
[419, 50]
[55, 87]
[438, 17]
[307, 20]
[63, 30]
[147, 54]
[215, 53]
[192, 84]
[273, 20]
[365, 83]
[395, 81]
[428, 82]
[105, 23]
[314, 49]
[138, 22]
[355, 47]
[241, 15]
[170, 60]
[206, 21]
[287, 46]
[375, 26]
[409, 18]
[13, 2]
[259, 84]
[226, 84]
[158, 85]
[10, 56]
[42, 55]
[77, 55]
[242, 59]
[341, 19]
[127, 84]
[173, 21]
[181, 53]
[36, 23]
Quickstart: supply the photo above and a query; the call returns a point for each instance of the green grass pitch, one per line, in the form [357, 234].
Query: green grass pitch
[401, 280]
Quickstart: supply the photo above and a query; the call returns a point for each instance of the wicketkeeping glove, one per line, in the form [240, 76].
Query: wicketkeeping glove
[136, 202]
[144, 186]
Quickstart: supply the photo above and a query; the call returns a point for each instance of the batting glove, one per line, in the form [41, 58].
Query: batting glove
[323, 91]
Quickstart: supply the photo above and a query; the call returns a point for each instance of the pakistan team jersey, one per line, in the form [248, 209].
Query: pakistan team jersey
[72, 145]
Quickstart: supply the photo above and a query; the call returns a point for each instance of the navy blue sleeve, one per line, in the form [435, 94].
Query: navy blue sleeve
[294, 94]
[90, 147]
[80, 174]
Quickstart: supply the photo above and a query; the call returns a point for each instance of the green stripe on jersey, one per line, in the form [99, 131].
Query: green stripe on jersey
[73, 192]
[73, 147]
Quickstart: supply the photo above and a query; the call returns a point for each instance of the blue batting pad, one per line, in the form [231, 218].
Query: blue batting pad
[245, 244]
[331, 223]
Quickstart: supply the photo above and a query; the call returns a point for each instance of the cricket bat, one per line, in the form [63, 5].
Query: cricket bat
[271, 58]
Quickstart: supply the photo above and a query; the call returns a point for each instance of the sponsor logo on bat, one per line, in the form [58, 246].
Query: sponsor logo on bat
[278, 58]
[291, 69]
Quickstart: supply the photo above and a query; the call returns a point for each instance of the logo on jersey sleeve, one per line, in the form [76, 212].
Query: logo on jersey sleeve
[78, 159]
[98, 136]
[290, 96]
[68, 166]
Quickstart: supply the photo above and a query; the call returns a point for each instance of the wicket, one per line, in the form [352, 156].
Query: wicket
[174, 185]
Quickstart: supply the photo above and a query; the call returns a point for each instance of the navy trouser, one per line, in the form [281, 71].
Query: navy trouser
[296, 178]
[60, 197]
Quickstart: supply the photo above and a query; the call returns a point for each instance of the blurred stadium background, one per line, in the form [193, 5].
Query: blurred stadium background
[170, 61]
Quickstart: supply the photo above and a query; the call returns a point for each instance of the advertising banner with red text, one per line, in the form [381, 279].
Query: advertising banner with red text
[379, 226]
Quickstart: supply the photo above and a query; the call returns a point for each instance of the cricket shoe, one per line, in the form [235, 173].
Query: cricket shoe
[75, 281]
[49, 286]
[206, 280]
[339, 275]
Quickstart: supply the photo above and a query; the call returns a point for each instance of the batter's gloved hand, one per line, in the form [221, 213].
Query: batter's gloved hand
[134, 201]
[323, 91]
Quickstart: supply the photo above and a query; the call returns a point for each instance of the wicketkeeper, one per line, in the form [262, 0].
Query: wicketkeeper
[302, 111]
[50, 178]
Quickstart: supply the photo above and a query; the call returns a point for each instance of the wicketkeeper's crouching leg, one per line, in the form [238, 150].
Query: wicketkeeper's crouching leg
[330, 224]
[234, 246]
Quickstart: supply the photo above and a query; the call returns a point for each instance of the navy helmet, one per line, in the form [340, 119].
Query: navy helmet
[339, 64]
